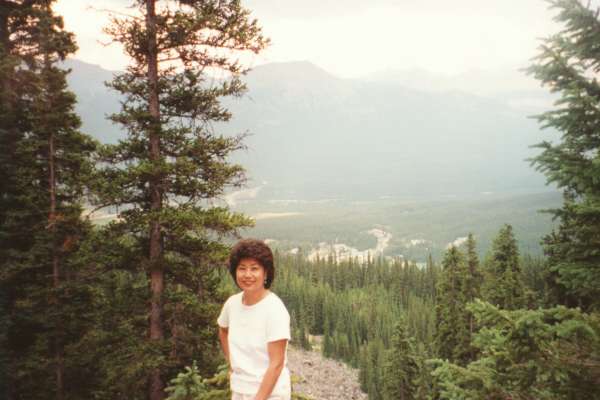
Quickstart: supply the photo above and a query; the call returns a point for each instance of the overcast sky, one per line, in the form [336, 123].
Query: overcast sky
[353, 38]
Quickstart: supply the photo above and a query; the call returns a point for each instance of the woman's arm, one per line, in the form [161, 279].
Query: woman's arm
[223, 335]
[276, 352]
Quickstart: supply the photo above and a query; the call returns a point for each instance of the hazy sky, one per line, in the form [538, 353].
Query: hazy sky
[352, 38]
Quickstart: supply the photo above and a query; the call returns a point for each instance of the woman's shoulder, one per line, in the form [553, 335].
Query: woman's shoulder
[234, 298]
[276, 301]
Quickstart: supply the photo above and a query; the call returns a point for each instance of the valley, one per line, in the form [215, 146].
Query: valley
[407, 227]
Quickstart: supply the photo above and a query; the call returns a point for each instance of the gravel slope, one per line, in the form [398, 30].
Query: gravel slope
[320, 378]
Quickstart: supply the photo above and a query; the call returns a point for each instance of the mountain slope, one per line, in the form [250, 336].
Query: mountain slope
[94, 100]
[314, 135]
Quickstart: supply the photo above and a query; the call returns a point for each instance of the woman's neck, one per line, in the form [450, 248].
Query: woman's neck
[249, 298]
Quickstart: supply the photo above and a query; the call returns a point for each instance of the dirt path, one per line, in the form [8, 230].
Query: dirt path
[320, 378]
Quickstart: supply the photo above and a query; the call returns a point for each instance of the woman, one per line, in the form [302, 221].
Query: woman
[254, 327]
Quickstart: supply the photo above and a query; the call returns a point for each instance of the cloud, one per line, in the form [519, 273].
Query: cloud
[525, 11]
[311, 8]
[350, 39]
[353, 38]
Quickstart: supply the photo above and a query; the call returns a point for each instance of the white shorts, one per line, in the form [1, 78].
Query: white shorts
[239, 396]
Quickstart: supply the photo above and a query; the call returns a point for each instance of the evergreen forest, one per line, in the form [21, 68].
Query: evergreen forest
[127, 309]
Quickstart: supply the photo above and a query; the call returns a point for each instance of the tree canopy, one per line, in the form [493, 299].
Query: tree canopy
[568, 64]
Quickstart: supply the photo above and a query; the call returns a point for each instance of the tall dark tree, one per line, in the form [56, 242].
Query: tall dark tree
[549, 353]
[401, 368]
[173, 164]
[48, 164]
[452, 336]
[475, 277]
[64, 159]
[12, 128]
[375, 354]
[568, 64]
[503, 284]
[17, 70]
[473, 285]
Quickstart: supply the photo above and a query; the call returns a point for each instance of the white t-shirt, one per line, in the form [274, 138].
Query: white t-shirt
[250, 329]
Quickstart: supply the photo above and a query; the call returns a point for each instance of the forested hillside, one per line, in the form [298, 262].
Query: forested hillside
[397, 322]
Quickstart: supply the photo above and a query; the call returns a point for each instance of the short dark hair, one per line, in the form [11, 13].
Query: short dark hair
[256, 249]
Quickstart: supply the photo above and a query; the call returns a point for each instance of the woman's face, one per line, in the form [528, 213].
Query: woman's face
[250, 275]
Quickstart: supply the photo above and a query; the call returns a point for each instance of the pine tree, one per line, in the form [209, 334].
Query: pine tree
[567, 64]
[528, 354]
[431, 277]
[327, 339]
[503, 284]
[549, 353]
[374, 371]
[13, 126]
[41, 201]
[475, 277]
[401, 368]
[452, 335]
[189, 385]
[473, 286]
[363, 368]
[64, 155]
[304, 339]
[173, 163]
[535, 278]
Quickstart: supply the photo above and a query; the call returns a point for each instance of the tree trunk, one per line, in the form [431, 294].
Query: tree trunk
[58, 346]
[5, 8]
[8, 135]
[52, 221]
[156, 267]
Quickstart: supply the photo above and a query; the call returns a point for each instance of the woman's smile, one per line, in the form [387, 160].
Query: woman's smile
[250, 275]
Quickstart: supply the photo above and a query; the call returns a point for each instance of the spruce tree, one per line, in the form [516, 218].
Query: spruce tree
[452, 335]
[14, 243]
[401, 367]
[48, 164]
[549, 353]
[173, 163]
[473, 286]
[431, 277]
[528, 354]
[63, 154]
[374, 372]
[475, 277]
[568, 64]
[327, 349]
[363, 368]
[503, 284]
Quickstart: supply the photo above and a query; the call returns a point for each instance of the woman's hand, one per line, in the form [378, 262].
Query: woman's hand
[276, 352]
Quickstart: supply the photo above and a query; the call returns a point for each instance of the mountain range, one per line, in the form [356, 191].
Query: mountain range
[313, 135]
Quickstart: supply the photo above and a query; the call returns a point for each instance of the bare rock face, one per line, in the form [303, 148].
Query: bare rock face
[319, 378]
